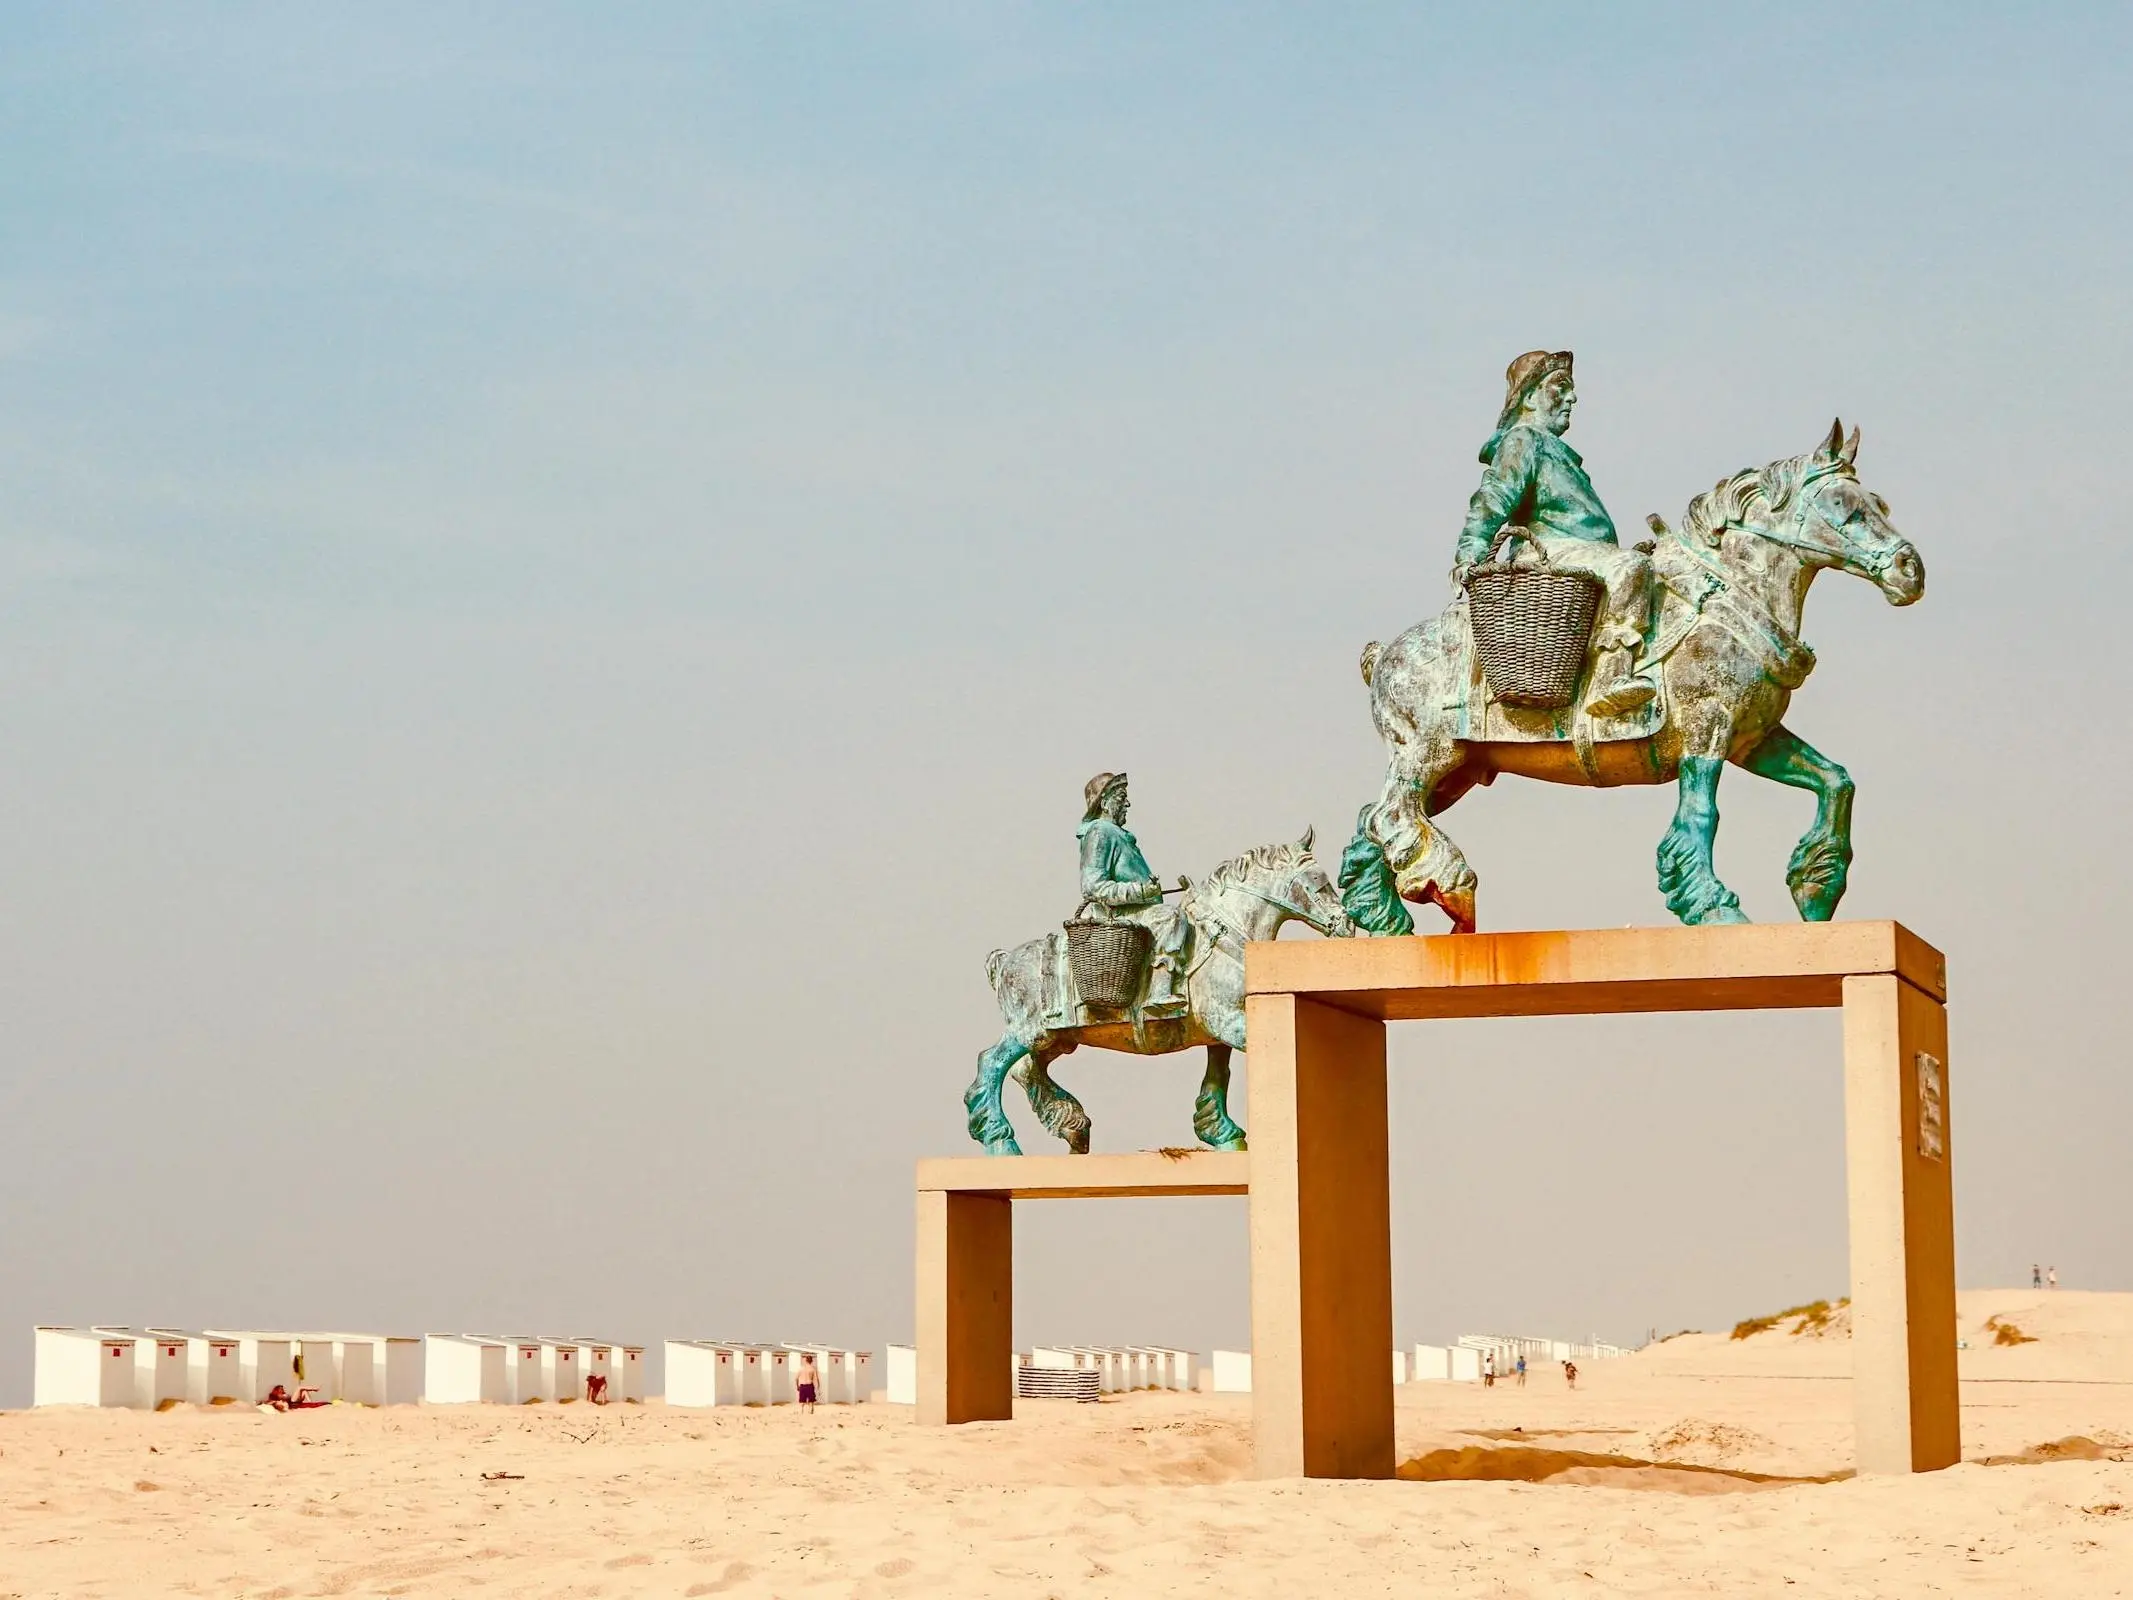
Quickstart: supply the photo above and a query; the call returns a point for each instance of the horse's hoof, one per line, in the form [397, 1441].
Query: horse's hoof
[1231, 1144]
[1002, 1147]
[1721, 916]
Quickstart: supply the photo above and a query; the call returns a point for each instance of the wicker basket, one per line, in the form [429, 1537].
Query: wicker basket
[1532, 627]
[1108, 959]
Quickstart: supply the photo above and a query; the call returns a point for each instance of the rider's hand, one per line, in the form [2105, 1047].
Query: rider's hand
[1461, 571]
[1155, 888]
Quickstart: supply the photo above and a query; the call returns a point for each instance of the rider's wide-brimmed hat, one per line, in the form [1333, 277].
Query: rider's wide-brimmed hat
[1525, 375]
[1093, 792]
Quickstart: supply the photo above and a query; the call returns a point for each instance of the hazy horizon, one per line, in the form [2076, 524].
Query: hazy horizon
[561, 573]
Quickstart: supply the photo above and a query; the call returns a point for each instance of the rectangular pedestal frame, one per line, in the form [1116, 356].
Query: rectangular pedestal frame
[1319, 1172]
[966, 1256]
[1315, 1011]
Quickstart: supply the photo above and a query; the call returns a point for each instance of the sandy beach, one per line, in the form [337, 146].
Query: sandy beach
[1144, 1494]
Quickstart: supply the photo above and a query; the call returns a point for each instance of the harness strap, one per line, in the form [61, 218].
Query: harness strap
[1786, 657]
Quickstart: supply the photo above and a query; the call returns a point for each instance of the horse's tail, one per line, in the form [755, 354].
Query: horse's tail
[1370, 661]
[993, 962]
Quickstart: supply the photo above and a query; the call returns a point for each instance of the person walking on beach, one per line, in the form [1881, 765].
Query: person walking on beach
[2036, 1276]
[1570, 1373]
[1521, 1370]
[805, 1380]
[2051, 1277]
[1488, 1369]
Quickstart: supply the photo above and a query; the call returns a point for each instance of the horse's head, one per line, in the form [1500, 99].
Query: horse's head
[1840, 520]
[1280, 882]
[1815, 506]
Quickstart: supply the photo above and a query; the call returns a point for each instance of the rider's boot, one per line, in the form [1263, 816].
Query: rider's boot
[1163, 999]
[1617, 690]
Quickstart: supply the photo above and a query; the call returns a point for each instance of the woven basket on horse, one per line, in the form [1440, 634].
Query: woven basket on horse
[1107, 959]
[1531, 628]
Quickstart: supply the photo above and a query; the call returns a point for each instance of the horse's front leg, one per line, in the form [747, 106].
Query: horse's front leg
[988, 1118]
[1687, 876]
[1822, 861]
[1210, 1112]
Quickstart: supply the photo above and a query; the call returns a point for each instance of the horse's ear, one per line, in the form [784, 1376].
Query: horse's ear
[1834, 444]
[1850, 452]
[1304, 844]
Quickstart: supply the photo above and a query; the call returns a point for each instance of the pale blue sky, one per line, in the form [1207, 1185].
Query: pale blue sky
[561, 570]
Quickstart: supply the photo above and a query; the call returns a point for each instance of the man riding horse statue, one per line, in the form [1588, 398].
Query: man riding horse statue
[1668, 692]
[1189, 992]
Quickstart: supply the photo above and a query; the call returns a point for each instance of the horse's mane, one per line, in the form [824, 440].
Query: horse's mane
[1712, 512]
[1268, 857]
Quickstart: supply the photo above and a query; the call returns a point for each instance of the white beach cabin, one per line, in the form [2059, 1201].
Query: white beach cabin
[561, 1369]
[465, 1369]
[82, 1367]
[632, 1368]
[701, 1372]
[902, 1370]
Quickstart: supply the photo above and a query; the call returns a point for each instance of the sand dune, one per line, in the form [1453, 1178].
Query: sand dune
[1664, 1474]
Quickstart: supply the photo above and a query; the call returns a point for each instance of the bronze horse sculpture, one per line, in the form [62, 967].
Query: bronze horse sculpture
[1247, 898]
[1732, 583]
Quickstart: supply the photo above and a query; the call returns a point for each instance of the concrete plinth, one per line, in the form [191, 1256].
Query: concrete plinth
[966, 1256]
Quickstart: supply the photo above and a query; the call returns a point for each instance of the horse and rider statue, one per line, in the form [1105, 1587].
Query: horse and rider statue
[1693, 664]
[1188, 992]
[1562, 657]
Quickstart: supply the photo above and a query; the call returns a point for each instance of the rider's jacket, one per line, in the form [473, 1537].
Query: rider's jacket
[1114, 873]
[1535, 480]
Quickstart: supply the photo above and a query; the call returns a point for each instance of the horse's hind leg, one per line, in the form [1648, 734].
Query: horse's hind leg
[988, 1118]
[1061, 1114]
[1210, 1112]
[1822, 861]
[1427, 866]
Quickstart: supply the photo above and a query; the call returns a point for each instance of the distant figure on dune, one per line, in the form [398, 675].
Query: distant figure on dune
[2036, 1276]
[1521, 1371]
[1570, 1373]
[1488, 1369]
[2051, 1277]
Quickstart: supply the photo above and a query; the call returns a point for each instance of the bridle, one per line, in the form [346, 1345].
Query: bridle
[1872, 565]
[1203, 915]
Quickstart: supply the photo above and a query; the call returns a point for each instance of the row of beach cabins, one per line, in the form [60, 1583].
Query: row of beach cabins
[147, 1368]
[1230, 1372]
[1116, 1368]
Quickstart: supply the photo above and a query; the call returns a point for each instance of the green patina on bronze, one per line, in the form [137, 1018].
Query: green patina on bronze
[1692, 665]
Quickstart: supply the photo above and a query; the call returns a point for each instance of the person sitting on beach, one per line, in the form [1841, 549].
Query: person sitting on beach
[596, 1388]
[277, 1398]
[805, 1380]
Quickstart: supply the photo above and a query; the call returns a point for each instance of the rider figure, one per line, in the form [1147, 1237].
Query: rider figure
[1538, 484]
[1115, 875]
